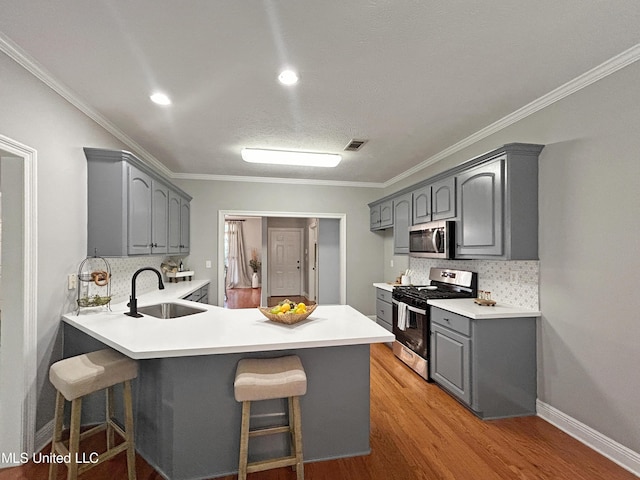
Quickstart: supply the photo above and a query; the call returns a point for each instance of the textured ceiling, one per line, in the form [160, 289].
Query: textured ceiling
[412, 77]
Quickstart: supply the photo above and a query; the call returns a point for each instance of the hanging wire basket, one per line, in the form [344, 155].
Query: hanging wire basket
[94, 288]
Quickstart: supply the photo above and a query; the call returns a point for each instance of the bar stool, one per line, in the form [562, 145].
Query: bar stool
[81, 375]
[263, 379]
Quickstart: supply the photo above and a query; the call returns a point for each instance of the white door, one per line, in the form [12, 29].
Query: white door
[285, 273]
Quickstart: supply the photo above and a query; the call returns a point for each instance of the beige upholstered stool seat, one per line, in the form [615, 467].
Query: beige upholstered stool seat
[81, 375]
[78, 376]
[264, 379]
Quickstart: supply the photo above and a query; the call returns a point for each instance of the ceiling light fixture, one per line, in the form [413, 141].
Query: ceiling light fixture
[288, 77]
[282, 157]
[160, 99]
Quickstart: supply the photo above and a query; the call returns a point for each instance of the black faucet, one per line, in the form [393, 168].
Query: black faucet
[133, 302]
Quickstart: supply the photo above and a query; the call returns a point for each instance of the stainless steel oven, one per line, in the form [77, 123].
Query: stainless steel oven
[432, 240]
[411, 322]
[412, 338]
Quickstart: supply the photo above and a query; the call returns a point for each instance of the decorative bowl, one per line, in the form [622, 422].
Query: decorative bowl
[286, 318]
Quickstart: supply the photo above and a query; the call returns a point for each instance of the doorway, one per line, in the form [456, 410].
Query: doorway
[18, 347]
[335, 259]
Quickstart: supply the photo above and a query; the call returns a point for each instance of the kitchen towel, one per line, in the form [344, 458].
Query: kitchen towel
[402, 316]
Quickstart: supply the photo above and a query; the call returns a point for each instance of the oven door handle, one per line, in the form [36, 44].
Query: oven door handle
[412, 309]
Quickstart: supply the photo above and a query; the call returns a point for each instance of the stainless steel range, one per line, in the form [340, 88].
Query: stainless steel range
[411, 313]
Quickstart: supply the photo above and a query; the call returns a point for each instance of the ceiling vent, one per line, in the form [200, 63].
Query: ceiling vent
[354, 145]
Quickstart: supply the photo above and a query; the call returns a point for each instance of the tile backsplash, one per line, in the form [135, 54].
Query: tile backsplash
[122, 269]
[493, 276]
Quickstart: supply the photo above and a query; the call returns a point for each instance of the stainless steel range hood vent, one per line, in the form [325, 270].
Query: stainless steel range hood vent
[354, 145]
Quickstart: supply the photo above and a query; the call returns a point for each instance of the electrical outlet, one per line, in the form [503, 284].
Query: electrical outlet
[207, 264]
[391, 263]
[514, 276]
[72, 281]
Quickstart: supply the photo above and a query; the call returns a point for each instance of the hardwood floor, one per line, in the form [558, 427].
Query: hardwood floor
[243, 298]
[419, 432]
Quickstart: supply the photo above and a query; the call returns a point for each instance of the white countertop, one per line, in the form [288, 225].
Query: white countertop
[467, 308]
[384, 286]
[219, 330]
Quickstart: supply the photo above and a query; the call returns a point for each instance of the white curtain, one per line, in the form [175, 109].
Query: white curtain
[237, 272]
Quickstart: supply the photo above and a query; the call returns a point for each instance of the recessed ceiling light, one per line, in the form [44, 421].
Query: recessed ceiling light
[160, 99]
[288, 77]
[282, 157]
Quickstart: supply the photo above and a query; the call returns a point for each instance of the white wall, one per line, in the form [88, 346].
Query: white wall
[34, 115]
[363, 247]
[589, 200]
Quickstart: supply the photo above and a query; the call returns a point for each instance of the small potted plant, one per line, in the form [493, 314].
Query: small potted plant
[255, 264]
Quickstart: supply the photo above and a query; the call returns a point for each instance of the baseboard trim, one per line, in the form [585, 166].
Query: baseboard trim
[43, 436]
[614, 451]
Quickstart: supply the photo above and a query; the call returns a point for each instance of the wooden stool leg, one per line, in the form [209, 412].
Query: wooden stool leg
[74, 438]
[128, 425]
[109, 415]
[297, 437]
[57, 433]
[244, 441]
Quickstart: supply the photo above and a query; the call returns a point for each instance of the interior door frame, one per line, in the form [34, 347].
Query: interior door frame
[342, 217]
[20, 351]
[312, 261]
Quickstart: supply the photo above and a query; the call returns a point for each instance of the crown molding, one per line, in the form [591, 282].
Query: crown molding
[603, 70]
[599, 72]
[296, 181]
[32, 66]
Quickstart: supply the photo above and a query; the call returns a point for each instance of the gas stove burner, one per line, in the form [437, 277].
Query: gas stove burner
[444, 284]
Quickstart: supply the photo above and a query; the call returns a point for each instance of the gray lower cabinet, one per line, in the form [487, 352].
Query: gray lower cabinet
[402, 208]
[384, 312]
[488, 364]
[129, 207]
[201, 295]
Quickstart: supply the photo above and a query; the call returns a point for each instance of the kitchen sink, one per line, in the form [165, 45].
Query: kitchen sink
[169, 310]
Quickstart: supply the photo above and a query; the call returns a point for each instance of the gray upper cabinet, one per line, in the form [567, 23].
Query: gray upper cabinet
[148, 214]
[498, 205]
[381, 215]
[179, 223]
[139, 212]
[480, 191]
[493, 199]
[159, 218]
[185, 219]
[402, 207]
[443, 194]
[174, 222]
[129, 207]
[421, 205]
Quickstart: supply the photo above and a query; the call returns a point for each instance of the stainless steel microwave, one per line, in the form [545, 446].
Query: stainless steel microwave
[432, 240]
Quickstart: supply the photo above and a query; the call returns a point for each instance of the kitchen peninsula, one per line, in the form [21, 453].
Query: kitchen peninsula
[187, 420]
